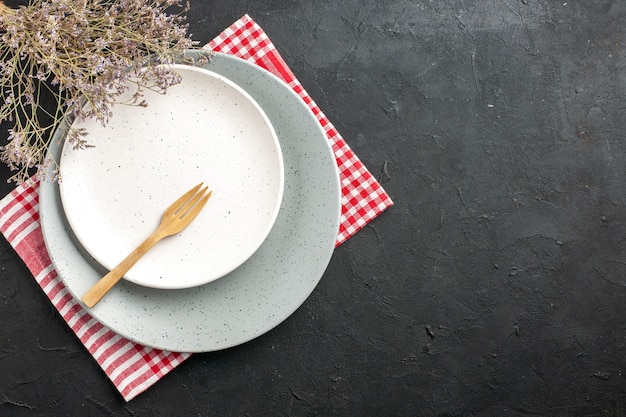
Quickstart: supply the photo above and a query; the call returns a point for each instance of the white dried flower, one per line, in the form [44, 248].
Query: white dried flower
[80, 55]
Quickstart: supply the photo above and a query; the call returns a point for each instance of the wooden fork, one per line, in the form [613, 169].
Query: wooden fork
[175, 218]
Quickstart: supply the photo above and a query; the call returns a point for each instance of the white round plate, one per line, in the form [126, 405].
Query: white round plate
[205, 129]
[268, 287]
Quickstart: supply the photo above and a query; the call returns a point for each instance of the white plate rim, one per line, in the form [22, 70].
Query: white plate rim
[301, 278]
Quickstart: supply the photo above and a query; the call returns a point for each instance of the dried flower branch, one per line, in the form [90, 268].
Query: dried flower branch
[81, 56]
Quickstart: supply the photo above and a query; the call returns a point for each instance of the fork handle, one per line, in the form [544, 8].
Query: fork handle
[107, 282]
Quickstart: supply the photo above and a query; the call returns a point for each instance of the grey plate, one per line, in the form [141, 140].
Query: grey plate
[267, 288]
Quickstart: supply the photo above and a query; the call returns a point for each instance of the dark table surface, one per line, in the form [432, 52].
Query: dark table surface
[496, 285]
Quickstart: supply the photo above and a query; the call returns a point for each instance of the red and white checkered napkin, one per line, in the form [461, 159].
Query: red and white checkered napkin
[133, 368]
